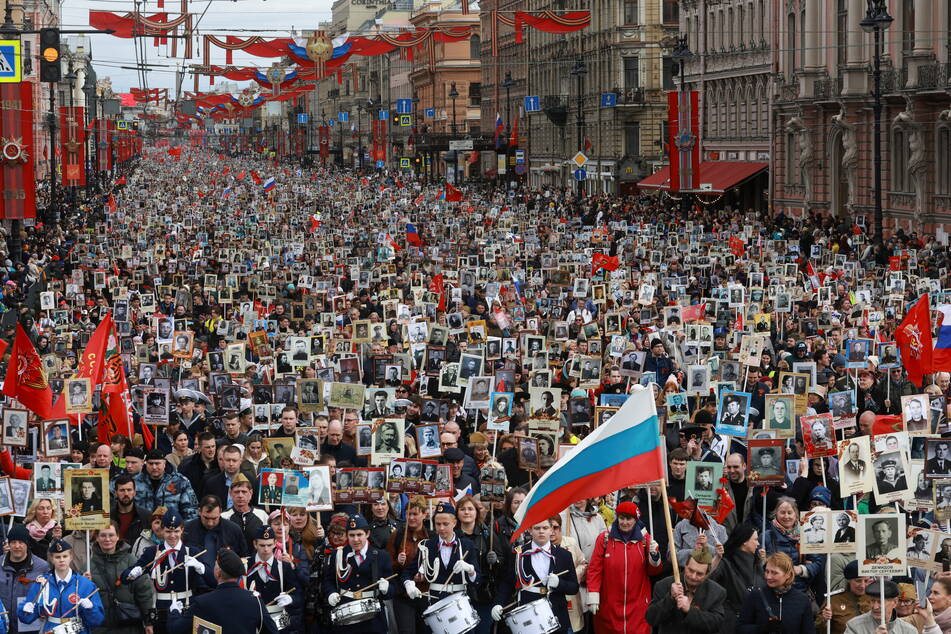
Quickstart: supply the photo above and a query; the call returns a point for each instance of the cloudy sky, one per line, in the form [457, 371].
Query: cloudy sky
[267, 18]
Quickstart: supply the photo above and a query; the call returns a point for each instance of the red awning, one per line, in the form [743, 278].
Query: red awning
[716, 177]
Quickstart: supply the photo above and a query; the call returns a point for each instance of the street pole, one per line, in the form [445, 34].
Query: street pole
[51, 122]
[507, 84]
[453, 93]
[579, 71]
[876, 20]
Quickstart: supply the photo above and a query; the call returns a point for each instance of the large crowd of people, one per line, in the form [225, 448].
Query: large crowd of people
[336, 388]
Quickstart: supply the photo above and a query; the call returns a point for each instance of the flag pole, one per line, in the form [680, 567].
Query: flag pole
[670, 532]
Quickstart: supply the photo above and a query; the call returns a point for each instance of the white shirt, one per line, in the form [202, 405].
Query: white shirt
[264, 570]
[541, 561]
[362, 552]
[445, 552]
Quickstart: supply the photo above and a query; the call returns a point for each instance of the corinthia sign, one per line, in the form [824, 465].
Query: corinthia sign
[16, 161]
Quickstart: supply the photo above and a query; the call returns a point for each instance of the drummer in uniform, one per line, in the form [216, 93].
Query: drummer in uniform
[354, 567]
[541, 569]
[234, 609]
[279, 589]
[175, 571]
[62, 598]
[449, 564]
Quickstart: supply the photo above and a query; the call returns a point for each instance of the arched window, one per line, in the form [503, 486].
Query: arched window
[943, 164]
[899, 150]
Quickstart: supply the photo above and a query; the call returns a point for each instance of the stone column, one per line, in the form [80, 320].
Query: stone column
[855, 79]
[813, 43]
[924, 28]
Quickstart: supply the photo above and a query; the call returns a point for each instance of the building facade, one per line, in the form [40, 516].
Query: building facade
[823, 112]
[624, 51]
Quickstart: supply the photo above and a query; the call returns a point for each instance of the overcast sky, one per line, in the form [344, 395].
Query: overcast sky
[267, 18]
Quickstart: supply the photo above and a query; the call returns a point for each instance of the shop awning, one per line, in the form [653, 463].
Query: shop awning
[716, 177]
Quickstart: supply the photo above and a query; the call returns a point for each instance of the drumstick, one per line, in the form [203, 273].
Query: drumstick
[375, 583]
[77, 603]
[288, 592]
[182, 563]
[534, 585]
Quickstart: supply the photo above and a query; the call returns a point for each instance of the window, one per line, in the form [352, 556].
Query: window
[729, 29]
[632, 139]
[671, 12]
[671, 71]
[475, 47]
[632, 77]
[842, 32]
[908, 25]
[475, 94]
[944, 161]
[792, 166]
[791, 44]
[631, 10]
[900, 180]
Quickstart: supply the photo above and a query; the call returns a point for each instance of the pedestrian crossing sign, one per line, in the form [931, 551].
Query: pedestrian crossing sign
[10, 61]
[406, 120]
[404, 162]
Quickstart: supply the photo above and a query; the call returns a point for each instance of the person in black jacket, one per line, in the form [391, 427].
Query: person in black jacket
[229, 606]
[130, 519]
[693, 605]
[779, 607]
[209, 532]
[202, 463]
[537, 570]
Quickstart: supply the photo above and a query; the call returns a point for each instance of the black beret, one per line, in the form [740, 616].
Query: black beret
[230, 563]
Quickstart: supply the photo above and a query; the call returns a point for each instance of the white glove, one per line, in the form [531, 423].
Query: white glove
[194, 564]
[85, 604]
[176, 606]
[655, 547]
[463, 567]
[135, 573]
[384, 586]
[333, 600]
[594, 602]
[496, 612]
[283, 600]
[411, 590]
[27, 608]
[552, 581]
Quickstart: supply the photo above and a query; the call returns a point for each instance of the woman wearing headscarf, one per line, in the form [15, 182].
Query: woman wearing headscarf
[739, 570]
[619, 588]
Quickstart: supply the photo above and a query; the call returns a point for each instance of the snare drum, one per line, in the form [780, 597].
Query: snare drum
[69, 626]
[451, 615]
[280, 616]
[536, 617]
[354, 612]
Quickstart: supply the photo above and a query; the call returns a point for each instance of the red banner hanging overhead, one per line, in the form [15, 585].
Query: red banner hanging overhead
[72, 131]
[324, 136]
[104, 130]
[17, 180]
[684, 142]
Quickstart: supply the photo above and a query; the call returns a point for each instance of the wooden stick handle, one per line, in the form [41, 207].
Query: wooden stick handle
[77, 603]
[375, 583]
[182, 563]
[275, 598]
[670, 532]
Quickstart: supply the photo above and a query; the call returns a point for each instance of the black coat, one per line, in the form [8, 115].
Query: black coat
[140, 522]
[193, 468]
[225, 534]
[793, 610]
[666, 618]
[738, 572]
[235, 609]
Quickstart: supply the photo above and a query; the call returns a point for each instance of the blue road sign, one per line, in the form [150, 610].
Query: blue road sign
[343, 117]
[330, 123]
[384, 115]
[519, 169]
[10, 61]
[380, 164]
[580, 174]
[430, 113]
[532, 103]
[302, 117]
[608, 99]
[404, 106]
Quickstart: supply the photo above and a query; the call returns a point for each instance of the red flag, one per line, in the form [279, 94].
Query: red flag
[887, 424]
[240, 176]
[724, 503]
[91, 364]
[737, 246]
[894, 263]
[689, 511]
[437, 285]
[587, 144]
[452, 194]
[175, 151]
[914, 340]
[314, 223]
[603, 261]
[255, 177]
[694, 312]
[811, 274]
[114, 419]
[121, 181]
[111, 204]
[26, 380]
[513, 139]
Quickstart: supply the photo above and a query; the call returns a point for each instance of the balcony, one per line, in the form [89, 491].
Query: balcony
[827, 88]
[934, 76]
[555, 108]
[893, 79]
[630, 96]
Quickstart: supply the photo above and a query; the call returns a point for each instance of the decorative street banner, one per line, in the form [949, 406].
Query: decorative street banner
[684, 143]
[324, 136]
[16, 161]
[104, 129]
[72, 141]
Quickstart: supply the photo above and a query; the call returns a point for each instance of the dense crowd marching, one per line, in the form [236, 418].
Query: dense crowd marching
[337, 388]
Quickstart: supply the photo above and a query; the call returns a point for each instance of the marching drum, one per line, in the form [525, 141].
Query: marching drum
[69, 626]
[280, 616]
[451, 615]
[536, 617]
[354, 612]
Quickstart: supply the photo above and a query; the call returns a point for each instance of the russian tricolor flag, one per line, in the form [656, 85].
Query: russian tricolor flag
[624, 452]
[226, 192]
[941, 360]
[412, 236]
[499, 130]
[269, 184]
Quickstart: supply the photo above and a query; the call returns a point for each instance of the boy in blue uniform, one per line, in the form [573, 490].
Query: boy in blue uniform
[61, 595]
[449, 564]
[158, 562]
[278, 588]
[230, 606]
[354, 567]
[540, 569]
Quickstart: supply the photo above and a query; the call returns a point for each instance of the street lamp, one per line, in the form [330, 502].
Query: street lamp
[451, 156]
[579, 71]
[70, 79]
[681, 54]
[507, 83]
[877, 21]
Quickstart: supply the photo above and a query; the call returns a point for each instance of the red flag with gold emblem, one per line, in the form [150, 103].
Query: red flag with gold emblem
[114, 417]
[914, 340]
[91, 364]
[26, 380]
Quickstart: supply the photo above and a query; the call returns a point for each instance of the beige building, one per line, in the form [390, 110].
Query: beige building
[622, 54]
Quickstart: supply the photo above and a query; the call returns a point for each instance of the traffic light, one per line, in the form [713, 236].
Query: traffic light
[49, 56]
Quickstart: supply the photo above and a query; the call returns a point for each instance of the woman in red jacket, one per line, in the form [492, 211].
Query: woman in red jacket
[619, 589]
